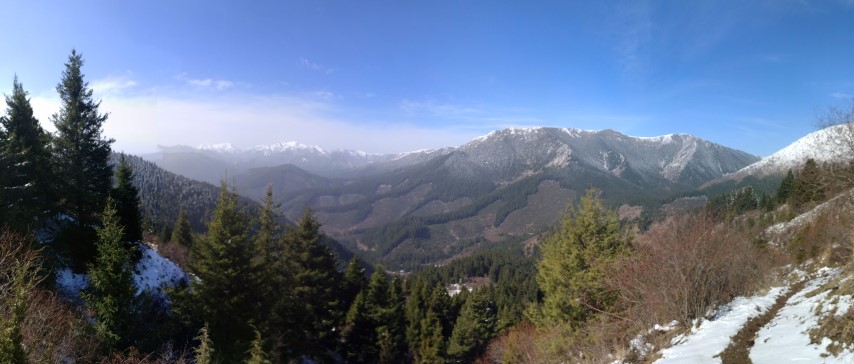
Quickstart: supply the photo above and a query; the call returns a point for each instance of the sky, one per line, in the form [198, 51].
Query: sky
[396, 76]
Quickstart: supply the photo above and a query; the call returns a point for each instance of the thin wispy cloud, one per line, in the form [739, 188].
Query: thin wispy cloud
[112, 85]
[842, 95]
[306, 63]
[208, 83]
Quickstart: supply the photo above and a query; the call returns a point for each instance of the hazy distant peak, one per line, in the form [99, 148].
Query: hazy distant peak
[220, 147]
[288, 146]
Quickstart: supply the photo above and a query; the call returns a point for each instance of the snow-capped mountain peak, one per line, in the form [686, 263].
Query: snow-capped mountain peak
[824, 145]
[288, 146]
[220, 147]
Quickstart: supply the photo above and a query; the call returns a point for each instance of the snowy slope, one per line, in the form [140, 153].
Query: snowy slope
[784, 339]
[153, 273]
[822, 145]
[703, 343]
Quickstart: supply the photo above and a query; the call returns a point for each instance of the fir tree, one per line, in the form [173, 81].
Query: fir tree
[256, 351]
[112, 293]
[81, 155]
[785, 189]
[392, 333]
[571, 273]
[808, 185]
[431, 349]
[474, 327]
[25, 192]
[225, 291]
[354, 280]
[183, 233]
[126, 196]
[316, 308]
[204, 352]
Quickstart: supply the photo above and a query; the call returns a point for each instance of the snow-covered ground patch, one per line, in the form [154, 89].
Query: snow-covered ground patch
[70, 284]
[154, 272]
[787, 336]
[703, 343]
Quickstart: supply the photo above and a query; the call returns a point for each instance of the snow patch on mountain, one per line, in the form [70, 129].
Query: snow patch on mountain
[823, 145]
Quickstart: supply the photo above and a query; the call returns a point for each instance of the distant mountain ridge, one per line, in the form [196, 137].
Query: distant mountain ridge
[212, 162]
[502, 188]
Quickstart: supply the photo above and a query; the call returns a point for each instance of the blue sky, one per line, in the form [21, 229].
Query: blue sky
[393, 76]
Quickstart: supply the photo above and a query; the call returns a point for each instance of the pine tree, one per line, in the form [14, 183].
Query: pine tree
[25, 191]
[474, 327]
[204, 352]
[256, 351]
[416, 310]
[354, 280]
[183, 233]
[225, 291]
[112, 293]
[574, 258]
[808, 185]
[266, 251]
[126, 196]
[431, 349]
[785, 189]
[316, 283]
[21, 275]
[392, 333]
[81, 155]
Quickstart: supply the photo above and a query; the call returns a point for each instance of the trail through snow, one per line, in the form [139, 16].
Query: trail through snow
[785, 339]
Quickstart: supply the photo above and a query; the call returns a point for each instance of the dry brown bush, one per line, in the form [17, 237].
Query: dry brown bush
[683, 267]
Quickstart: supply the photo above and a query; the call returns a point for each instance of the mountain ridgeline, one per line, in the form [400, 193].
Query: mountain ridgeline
[497, 191]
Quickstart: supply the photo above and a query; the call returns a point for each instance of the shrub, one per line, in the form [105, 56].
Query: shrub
[683, 267]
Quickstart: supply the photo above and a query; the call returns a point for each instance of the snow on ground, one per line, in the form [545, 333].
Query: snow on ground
[786, 337]
[713, 336]
[70, 284]
[152, 273]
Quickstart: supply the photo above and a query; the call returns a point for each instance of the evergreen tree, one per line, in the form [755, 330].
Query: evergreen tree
[571, 273]
[112, 293]
[416, 310]
[354, 280]
[431, 349]
[81, 156]
[204, 352]
[25, 192]
[225, 290]
[126, 196]
[808, 185]
[392, 334]
[256, 351]
[183, 233]
[316, 283]
[268, 229]
[785, 189]
[21, 274]
[474, 327]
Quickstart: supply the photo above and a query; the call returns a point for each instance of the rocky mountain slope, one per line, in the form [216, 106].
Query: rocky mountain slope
[504, 187]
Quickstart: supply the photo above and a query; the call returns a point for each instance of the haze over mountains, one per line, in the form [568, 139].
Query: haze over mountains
[501, 188]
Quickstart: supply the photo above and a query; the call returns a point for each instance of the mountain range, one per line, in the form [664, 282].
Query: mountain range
[497, 191]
